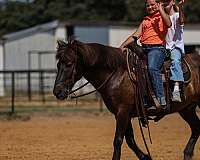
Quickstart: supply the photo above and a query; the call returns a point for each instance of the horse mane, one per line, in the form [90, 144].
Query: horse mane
[102, 56]
[94, 54]
[112, 58]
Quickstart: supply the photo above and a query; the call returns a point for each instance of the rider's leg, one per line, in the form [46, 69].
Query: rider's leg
[156, 58]
[176, 73]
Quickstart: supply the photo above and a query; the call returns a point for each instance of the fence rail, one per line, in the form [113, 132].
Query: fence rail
[32, 85]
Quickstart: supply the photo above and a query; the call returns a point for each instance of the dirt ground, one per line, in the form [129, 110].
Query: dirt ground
[86, 136]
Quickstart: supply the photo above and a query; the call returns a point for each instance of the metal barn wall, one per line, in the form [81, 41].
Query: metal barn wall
[1, 68]
[1, 57]
[97, 34]
[16, 51]
[119, 34]
[192, 37]
[16, 57]
[61, 33]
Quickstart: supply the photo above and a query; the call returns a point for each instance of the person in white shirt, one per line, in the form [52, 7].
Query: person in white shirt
[175, 43]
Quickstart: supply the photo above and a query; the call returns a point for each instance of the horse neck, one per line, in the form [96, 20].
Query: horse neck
[98, 76]
[97, 69]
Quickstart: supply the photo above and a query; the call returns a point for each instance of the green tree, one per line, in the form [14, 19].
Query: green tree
[192, 11]
[135, 10]
[15, 16]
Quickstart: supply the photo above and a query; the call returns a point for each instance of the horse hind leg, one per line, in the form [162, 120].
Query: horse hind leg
[190, 116]
[129, 136]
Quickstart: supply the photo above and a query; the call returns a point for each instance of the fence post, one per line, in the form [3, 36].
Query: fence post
[13, 92]
[42, 86]
[101, 104]
[29, 85]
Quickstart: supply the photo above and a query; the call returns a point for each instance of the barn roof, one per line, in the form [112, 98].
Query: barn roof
[39, 28]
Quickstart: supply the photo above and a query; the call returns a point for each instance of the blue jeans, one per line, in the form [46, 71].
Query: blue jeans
[156, 57]
[175, 68]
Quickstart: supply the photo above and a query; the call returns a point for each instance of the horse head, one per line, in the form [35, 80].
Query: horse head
[69, 70]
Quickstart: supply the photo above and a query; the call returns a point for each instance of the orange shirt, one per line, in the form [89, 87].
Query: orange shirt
[154, 30]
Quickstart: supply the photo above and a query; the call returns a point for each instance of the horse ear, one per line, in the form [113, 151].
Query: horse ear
[58, 43]
[61, 44]
[71, 39]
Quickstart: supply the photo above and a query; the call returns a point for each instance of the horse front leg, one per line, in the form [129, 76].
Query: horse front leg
[129, 135]
[121, 124]
[190, 116]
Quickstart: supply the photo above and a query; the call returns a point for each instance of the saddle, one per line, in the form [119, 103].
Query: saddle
[138, 51]
[138, 69]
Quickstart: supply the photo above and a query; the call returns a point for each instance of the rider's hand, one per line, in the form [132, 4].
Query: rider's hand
[122, 48]
[160, 6]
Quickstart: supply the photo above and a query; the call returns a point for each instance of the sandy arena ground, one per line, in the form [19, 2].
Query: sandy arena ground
[86, 136]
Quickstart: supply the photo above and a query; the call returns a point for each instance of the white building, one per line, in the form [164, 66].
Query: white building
[42, 38]
[1, 68]
[26, 49]
[17, 46]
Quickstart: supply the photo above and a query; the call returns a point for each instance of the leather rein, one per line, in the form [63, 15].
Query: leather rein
[101, 86]
[134, 80]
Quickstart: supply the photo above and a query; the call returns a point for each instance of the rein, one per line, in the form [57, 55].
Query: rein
[78, 88]
[134, 80]
[101, 86]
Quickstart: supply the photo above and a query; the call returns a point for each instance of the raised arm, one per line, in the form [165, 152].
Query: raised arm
[137, 34]
[181, 12]
[164, 15]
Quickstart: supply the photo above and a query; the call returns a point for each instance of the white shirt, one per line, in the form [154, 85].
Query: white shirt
[174, 37]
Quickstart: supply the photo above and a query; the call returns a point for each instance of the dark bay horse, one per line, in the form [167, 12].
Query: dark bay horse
[99, 64]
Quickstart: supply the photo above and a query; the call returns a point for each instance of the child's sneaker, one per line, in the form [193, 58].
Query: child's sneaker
[176, 97]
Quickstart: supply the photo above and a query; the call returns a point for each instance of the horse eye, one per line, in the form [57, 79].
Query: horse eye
[58, 65]
[69, 63]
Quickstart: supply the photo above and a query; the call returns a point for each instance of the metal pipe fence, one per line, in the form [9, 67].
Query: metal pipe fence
[25, 87]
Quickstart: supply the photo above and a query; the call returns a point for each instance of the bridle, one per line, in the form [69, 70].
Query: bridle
[67, 92]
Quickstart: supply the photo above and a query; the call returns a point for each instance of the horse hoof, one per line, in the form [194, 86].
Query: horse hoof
[146, 157]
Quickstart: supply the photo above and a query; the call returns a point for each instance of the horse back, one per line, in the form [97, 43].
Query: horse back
[193, 61]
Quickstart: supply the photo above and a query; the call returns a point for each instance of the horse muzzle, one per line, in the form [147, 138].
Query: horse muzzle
[61, 93]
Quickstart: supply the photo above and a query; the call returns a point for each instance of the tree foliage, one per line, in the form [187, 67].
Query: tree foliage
[135, 10]
[15, 16]
[192, 11]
